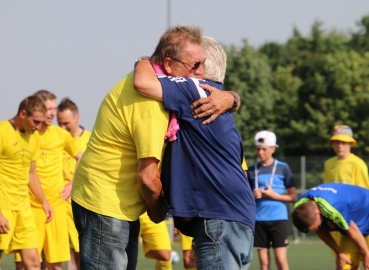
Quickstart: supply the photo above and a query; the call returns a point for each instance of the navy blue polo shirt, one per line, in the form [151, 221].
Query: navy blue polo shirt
[202, 174]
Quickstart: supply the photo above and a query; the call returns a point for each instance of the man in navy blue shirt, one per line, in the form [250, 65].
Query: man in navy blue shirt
[203, 180]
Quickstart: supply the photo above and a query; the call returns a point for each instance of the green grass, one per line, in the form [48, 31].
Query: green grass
[312, 255]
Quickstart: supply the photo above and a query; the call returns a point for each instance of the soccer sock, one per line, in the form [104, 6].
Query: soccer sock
[192, 268]
[163, 265]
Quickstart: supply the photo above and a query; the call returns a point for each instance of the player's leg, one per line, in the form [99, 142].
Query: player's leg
[189, 259]
[264, 258]
[262, 244]
[280, 255]
[56, 246]
[25, 240]
[73, 264]
[349, 248]
[156, 242]
[279, 238]
[30, 258]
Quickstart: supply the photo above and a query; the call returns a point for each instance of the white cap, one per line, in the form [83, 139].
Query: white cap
[266, 138]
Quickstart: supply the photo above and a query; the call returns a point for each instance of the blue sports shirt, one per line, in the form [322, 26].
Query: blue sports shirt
[267, 209]
[339, 204]
[201, 173]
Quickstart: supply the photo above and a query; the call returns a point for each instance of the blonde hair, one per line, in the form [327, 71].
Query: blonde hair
[216, 60]
[31, 105]
[45, 95]
[173, 41]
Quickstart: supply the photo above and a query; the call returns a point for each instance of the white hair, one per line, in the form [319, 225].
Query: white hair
[216, 60]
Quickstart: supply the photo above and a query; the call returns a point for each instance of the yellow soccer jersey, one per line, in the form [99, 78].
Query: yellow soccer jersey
[69, 162]
[128, 127]
[17, 151]
[351, 170]
[49, 165]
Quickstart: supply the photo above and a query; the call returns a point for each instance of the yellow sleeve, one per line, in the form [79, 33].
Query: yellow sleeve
[244, 164]
[148, 136]
[70, 146]
[360, 175]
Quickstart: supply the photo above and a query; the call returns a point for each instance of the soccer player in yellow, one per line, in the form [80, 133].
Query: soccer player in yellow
[53, 237]
[156, 242]
[19, 149]
[346, 168]
[68, 118]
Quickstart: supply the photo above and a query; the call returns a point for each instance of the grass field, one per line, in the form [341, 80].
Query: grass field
[304, 256]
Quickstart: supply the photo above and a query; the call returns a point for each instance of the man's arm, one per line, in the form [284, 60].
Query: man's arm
[35, 187]
[217, 103]
[65, 193]
[150, 187]
[341, 258]
[269, 193]
[357, 237]
[146, 82]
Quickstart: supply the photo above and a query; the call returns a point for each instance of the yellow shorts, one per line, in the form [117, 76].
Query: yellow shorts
[154, 236]
[73, 234]
[22, 233]
[53, 236]
[349, 248]
[186, 242]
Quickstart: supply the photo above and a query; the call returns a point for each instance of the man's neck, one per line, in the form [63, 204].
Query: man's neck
[77, 132]
[17, 123]
[267, 162]
[44, 127]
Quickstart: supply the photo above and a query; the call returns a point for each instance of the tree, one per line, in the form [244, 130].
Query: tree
[248, 73]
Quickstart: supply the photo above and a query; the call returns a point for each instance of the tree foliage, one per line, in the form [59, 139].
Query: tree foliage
[303, 88]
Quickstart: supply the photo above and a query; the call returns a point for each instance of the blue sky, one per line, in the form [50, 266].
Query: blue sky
[81, 49]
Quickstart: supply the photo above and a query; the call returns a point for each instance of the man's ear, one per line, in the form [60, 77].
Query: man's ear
[23, 114]
[168, 66]
[78, 117]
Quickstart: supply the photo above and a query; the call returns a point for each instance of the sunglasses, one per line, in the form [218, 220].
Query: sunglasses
[192, 67]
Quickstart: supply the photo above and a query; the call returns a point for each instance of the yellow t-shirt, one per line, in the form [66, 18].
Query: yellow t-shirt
[351, 170]
[49, 165]
[17, 151]
[128, 127]
[69, 162]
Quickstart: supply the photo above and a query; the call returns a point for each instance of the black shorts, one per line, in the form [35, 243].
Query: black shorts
[271, 233]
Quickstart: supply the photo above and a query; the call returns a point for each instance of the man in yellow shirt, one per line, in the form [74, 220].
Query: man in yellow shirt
[346, 168]
[19, 149]
[68, 118]
[53, 237]
[118, 178]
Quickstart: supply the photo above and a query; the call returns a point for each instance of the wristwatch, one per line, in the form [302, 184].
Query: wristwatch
[235, 101]
[141, 58]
